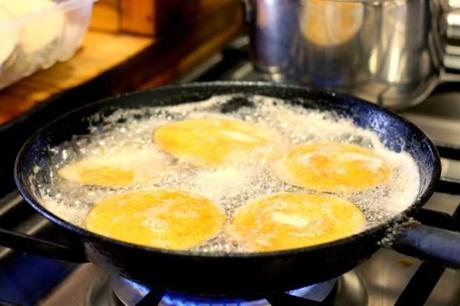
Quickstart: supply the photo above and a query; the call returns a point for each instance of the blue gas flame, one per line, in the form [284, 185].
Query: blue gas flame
[173, 299]
[170, 299]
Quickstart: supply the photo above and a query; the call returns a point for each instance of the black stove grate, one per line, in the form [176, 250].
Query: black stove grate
[428, 274]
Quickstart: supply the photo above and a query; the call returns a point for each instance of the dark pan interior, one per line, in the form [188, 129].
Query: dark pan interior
[259, 272]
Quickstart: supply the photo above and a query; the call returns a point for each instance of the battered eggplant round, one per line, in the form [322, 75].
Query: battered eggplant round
[333, 167]
[161, 218]
[209, 142]
[293, 220]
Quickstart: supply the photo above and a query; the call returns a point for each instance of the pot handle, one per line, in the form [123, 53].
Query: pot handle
[452, 19]
[430, 243]
[248, 10]
[41, 247]
[452, 32]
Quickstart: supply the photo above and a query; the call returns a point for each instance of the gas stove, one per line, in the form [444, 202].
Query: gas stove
[388, 278]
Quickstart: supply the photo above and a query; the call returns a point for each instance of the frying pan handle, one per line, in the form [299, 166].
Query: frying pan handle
[430, 243]
[37, 246]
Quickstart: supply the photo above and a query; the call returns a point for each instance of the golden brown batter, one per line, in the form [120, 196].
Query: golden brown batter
[160, 218]
[333, 167]
[293, 220]
[209, 142]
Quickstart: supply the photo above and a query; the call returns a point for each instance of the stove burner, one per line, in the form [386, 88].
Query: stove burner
[130, 293]
[116, 291]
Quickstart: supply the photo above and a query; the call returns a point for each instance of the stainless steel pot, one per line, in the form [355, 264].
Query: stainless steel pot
[390, 52]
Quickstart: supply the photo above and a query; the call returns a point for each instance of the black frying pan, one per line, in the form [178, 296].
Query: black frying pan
[240, 275]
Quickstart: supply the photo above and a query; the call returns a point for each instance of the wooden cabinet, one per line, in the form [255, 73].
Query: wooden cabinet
[151, 17]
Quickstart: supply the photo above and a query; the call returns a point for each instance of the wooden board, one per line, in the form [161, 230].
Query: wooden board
[106, 59]
[100, 52]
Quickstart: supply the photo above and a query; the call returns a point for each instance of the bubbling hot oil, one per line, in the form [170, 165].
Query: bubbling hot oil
[126, 132]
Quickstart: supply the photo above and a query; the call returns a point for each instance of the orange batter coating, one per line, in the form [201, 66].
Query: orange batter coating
[106, 176]
[119, 169]
[333, 167]
[293, 220]
[161, 218]
[209, 142]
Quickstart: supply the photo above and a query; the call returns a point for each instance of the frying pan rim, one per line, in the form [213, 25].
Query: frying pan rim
[35, 203]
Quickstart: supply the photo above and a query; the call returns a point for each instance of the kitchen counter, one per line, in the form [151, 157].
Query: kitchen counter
[111, 62]
[100, 52]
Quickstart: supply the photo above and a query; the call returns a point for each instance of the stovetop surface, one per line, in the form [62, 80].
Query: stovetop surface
[389, 277]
